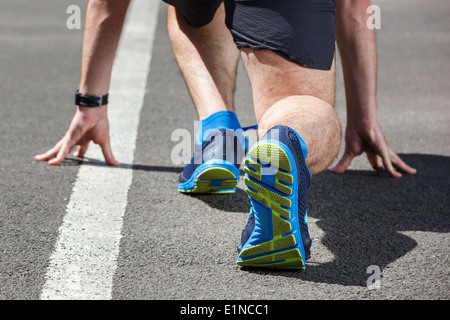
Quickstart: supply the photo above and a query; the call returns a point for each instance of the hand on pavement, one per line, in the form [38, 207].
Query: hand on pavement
[371, 141]
[88, 124]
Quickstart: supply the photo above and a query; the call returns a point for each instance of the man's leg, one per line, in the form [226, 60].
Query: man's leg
[285, 93]
[207, 58]
[288, 51]
[299, 135]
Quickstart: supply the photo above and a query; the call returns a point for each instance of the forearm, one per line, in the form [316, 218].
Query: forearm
[357, 45]
[103, 27]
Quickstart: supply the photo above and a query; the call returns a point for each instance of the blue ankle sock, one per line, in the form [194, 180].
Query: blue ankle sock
[219, 120]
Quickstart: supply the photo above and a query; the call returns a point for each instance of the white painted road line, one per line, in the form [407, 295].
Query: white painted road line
[85, 257]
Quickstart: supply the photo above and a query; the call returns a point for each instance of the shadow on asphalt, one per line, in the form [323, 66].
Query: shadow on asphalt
[232, 202]
[69, 161]
[363, 213]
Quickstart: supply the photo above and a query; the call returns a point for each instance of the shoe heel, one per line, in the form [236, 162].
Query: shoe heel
[212, 178]
[270, 182]
[216, 180]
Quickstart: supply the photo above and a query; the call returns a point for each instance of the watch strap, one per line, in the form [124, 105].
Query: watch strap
[90, 101]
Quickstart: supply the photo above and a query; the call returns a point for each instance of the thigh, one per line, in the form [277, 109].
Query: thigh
[197, 13]
[288, 47]
[274, 78]
[301, 31]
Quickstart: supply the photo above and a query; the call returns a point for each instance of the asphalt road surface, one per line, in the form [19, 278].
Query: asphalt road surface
[83, 230]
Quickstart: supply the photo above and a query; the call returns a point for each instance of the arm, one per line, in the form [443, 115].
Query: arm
[104, 22]
[357, 45]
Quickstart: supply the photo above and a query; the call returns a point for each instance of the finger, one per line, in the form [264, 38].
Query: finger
[379, 146]
[107, 153]
[401, 165]
[343, 163]
[388, 164]
[62, 153]
[82, 149]
[49, 154]
[373, 160]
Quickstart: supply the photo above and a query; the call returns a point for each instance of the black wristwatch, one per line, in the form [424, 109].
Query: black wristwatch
[90, 101]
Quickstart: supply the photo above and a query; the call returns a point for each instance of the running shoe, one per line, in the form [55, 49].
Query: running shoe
[214, 168]
[276, 181]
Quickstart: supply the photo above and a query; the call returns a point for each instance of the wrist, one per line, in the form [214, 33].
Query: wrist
[362, 127]
[362, 112]
[90, 101]
[92, 115]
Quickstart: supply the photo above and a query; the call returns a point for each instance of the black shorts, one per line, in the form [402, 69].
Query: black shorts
[302, 31]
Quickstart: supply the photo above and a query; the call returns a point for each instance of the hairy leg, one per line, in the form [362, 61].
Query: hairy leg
[285, 93]
[207, 58]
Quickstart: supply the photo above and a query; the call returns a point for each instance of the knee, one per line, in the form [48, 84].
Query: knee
[298, 110]
[315, 120]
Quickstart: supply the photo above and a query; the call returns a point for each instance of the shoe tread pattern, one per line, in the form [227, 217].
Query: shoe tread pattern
[275, 194]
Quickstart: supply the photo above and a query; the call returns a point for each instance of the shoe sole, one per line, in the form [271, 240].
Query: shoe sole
[276, 241]
[212, 178]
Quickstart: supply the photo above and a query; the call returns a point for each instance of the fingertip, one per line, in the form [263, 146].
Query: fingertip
[410, 170]
[338, 169]
[395, 174]
[41, 157]
[112, 161]
[53, 162]
[403, 167]
[107, 153]
[78, 154]
[57, 160]
[378, 165]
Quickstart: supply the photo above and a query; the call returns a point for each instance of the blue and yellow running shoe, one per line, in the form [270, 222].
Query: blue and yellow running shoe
[214, 168]
[276, 179]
